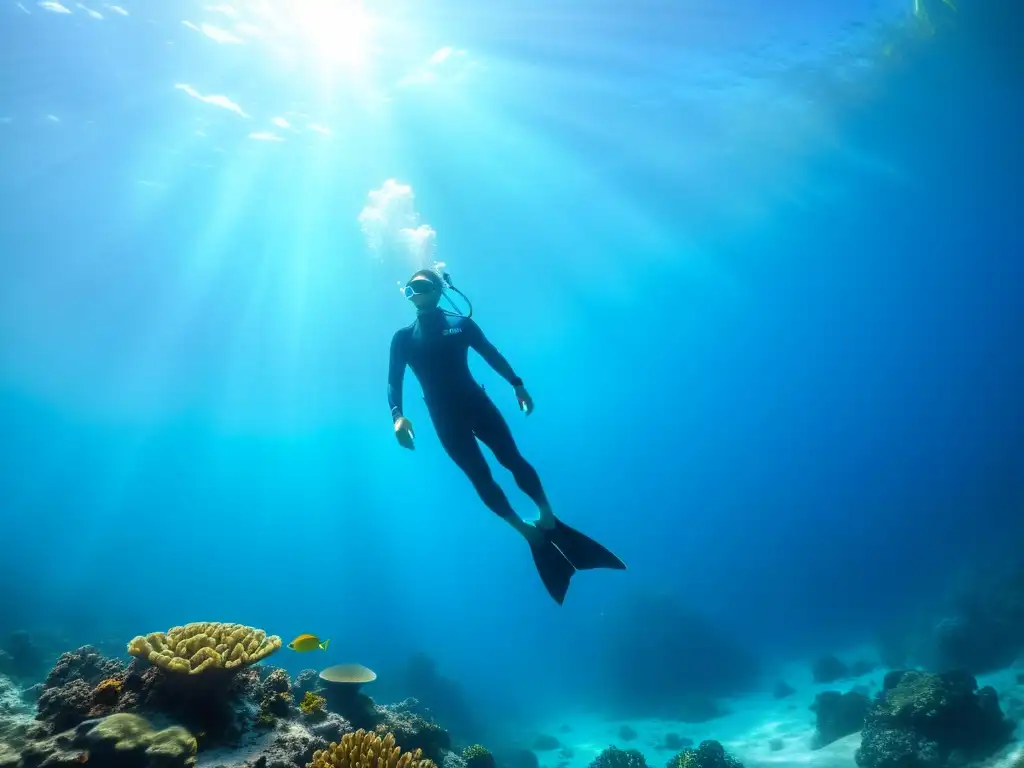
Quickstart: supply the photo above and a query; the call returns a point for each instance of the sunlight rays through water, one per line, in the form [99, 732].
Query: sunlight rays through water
[251, 129]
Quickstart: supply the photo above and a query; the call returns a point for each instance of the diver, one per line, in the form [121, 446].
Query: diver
[436, 347]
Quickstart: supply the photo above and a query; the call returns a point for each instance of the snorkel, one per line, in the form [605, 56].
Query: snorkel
[447, 279]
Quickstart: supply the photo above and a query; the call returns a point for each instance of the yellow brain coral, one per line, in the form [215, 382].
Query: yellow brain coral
[203, 645]
[364, 749]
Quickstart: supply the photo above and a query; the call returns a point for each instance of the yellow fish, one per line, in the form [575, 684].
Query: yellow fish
[304, 643]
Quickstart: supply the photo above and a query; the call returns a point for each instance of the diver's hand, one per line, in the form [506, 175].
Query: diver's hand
[525, 401]
[404, 433]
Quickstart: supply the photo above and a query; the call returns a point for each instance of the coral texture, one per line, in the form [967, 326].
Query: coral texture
[364, 749]
[710, 754]
[923, 720]
[478, 756]
[613, 757]
[194, 648]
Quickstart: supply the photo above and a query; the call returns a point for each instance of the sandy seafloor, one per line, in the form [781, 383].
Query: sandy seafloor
[754, 721]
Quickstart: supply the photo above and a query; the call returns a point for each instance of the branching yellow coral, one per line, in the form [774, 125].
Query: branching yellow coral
[364, 749]
[199, 646]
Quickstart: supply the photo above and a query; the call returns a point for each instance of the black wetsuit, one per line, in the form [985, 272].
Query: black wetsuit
[436, 347]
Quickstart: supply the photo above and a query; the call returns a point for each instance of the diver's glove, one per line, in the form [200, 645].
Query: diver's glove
[525, 401]
[404, 433]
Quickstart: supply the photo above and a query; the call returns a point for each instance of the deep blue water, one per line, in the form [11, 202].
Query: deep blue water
[759, 269]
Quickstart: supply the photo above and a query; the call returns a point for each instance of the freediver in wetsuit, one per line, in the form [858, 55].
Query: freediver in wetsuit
[436, 347]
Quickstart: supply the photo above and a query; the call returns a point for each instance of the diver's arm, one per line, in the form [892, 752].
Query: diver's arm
[396, 375]
[490, 353]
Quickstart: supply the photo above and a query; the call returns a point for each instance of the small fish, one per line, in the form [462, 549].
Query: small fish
[304, 643]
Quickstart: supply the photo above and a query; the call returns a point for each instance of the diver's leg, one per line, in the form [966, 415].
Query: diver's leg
[490, 426]
[580, 550]
[456, 435]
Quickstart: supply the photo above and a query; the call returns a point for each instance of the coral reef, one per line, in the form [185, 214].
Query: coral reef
[364, 749]
[198, 694]
[275, 697]
[307, 681]
[82, 685]
[412, 730]
[117, 741]
[924, 720]
[710, 754]
[613, 757]
[313, 706]
[342, 686]
[837, 715]
[200, 646]
[478, 756]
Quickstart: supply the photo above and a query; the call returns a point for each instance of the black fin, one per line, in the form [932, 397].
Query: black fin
[554, 569]
[581, 550]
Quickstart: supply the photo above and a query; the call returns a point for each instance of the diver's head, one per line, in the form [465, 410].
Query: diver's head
[424, 289]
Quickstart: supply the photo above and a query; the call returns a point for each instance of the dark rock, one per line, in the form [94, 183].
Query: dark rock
[983, 628]
[783, 690]
[838, 715]
[828, 669]
[546, 743]
[478, 756]
[861, 668]
[275, 695]
[776, 744]
[65, 706]
[924, 720]
[86, 664]
[626, 733]
[698, 709]
[676, 742]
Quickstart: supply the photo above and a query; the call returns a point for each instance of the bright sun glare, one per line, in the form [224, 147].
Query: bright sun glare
[337, 31]
[335, 34]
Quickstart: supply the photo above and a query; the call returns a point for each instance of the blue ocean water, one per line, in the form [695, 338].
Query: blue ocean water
[759, 267]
